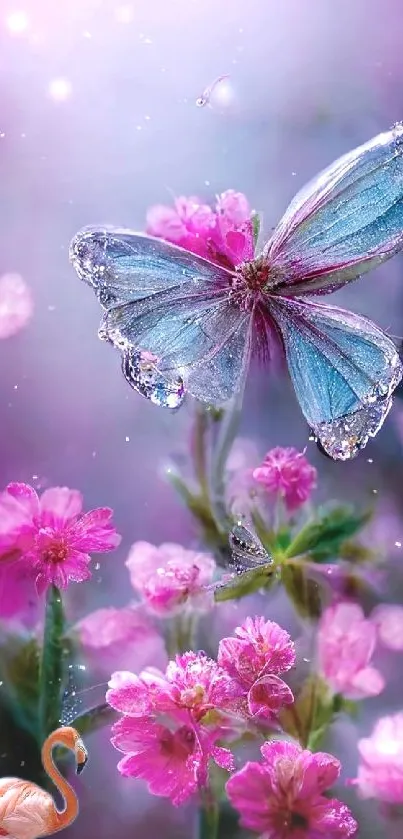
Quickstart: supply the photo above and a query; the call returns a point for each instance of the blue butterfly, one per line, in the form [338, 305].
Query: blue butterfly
[186, 325]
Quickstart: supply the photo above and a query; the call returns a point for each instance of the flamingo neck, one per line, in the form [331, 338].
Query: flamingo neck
[60, 818]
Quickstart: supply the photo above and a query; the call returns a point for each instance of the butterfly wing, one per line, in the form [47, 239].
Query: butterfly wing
[343, 223]
[167, 308]
[344, 370]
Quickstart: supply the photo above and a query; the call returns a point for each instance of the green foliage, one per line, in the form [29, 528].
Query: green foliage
[20, 674]
[247, 583]
[255, 218]
[304, 593]
[323, 538]
[51, 668]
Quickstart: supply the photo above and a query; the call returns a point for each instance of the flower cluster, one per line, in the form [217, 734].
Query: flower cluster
[223, 235]
[170, 579]
[286, 473]
[48, 540]
[346, 644]
[282, 797]
[176, 718]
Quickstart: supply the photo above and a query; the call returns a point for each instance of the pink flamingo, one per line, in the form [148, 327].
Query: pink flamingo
[26, 810]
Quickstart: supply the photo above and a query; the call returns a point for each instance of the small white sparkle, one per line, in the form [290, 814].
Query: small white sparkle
[17, 22]
[124, 14]
[398, 544]
[60, 89]
[127, 439]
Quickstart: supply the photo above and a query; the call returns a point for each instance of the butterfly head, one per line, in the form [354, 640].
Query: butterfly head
[251, 280]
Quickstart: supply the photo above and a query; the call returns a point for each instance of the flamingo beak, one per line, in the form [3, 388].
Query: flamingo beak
[81, 764]
[81, 756]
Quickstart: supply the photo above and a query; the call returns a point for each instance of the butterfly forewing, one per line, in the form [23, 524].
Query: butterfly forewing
[246, 550]
[344, 222]
[170, 303]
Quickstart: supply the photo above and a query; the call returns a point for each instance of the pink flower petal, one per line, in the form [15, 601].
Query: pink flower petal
[94, 532]
[267, 696]
[16, 304]
[367, 682]
[59, 505]
[389, 623]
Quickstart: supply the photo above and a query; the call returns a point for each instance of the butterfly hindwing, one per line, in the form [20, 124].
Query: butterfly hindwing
[343, 368]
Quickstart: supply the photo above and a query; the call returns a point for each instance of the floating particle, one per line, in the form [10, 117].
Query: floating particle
[205, 97]
[16, 304]
[17, 22]
[124, 13]
[60, 89]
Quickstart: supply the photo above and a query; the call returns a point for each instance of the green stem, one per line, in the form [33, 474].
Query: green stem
[179, 634]
[228, 432]
[198, 444]
[51, 666]
[209, 815]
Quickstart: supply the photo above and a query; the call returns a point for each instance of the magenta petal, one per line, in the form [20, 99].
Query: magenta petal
[59, 505]
[94, 532]
[268, 695]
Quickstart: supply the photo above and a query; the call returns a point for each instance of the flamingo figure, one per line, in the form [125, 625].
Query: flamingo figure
[26, 810]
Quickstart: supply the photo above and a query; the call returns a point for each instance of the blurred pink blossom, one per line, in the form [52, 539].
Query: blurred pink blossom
[388, 620]
[346, 642]
[255, 657]
[380, 772]
[282, 797]
[120, 637]
[287, 473]
[50, 536]
[170, 578]
[223, 235]
[16, 304]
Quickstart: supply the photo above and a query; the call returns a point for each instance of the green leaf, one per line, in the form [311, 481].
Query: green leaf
[51, 668]
[255, 219]
[310, 714]
[94, 719]
[247, 583]
[323, 538]
[20, 673]
[302, 591]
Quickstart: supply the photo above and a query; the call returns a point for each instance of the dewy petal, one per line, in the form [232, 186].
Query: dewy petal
[58, 505]
[274, 750]
[94, 532]
[249, 792]
[129, 695]
[267, 696]
[26, 495]
[318, 772]
[332, 819]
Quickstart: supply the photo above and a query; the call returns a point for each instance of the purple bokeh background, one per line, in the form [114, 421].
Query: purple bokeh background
[310, 80]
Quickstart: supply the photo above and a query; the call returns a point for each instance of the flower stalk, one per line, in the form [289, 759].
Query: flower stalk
[51, 666]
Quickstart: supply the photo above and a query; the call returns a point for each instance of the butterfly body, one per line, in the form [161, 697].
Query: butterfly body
[185, 324]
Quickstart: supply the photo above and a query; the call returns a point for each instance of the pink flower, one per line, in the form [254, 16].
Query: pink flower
[50, 535]
[16, 304]
[288, 474]
[380, 773]
[388, 620]
[189, 223]
[173, 761]
[170, 579]
[282, 797]
[254, 658]
[192, 687]
[124, 635]
[224, 235]
[169, 729]
[346, 642]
